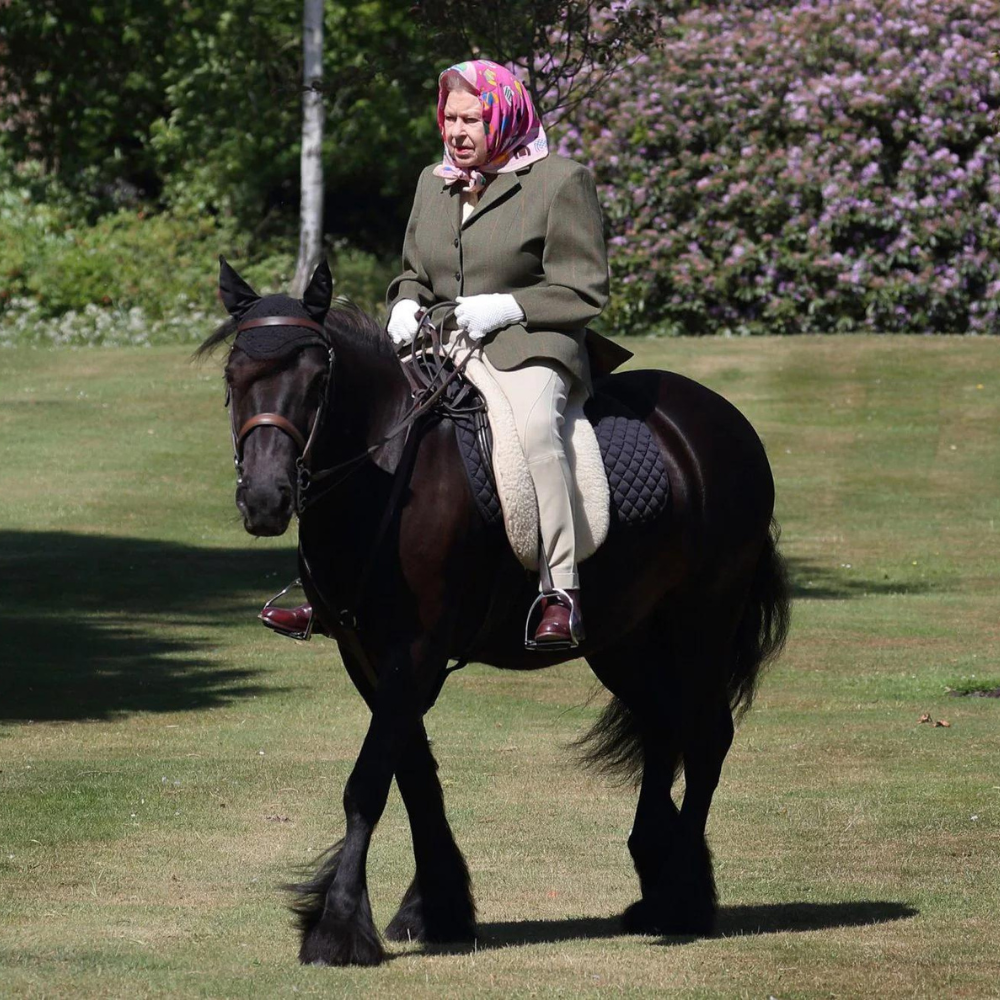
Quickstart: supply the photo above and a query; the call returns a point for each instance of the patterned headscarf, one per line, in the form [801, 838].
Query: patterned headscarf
[514, 133]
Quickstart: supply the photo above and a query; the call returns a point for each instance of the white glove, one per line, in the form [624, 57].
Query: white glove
[479, 315]
[402, 325]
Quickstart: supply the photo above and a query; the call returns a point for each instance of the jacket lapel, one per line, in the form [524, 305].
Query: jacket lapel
[454, 202]
[499, 190]
[450, 204]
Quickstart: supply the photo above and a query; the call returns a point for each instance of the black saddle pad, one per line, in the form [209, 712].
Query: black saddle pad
[640, 489]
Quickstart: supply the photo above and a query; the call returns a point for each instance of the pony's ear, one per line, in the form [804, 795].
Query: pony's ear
[316, 298]
[237, 295]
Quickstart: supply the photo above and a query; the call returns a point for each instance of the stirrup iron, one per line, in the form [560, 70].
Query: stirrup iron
[549, 589]
[303, 636]
[534, 617]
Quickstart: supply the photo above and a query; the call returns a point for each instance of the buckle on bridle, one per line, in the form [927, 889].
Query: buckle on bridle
[303, 477]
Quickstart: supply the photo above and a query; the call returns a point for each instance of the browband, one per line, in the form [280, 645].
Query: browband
[253, 324]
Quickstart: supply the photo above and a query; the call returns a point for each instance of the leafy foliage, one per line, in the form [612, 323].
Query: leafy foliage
[119, 188]
[765, 167]
[197, 106]
[227, 139]
[565, 50]
[79, 83]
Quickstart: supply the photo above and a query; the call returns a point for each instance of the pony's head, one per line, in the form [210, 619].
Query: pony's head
[276, 376]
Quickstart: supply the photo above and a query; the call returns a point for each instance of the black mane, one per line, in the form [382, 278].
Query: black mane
[221, 335]
[345, 319]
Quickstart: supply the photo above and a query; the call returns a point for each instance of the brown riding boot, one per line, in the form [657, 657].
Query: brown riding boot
[293, 622]
[555, 624]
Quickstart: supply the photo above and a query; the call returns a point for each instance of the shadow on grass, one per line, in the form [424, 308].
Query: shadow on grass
[772, 918]
[84, 623]
[809, 580]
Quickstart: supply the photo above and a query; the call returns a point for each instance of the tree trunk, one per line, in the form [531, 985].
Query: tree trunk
[311, 212]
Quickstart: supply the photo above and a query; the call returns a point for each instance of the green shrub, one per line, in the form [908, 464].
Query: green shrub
[137, 278]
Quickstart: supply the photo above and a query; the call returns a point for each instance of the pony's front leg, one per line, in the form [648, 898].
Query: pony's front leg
[438, 906]
[333, 909]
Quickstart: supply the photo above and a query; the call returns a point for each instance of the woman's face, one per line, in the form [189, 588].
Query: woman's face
[463, 129]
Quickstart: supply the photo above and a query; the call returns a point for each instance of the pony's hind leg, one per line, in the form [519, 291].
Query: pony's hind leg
[671, 708]
[438, 906]
[668, 845]
[705, 745]
[655, 830]
[635, 739]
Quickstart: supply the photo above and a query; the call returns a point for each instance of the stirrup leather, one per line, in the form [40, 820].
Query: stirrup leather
[303, 636]
[534, 618]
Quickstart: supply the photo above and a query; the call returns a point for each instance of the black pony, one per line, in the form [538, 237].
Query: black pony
[395, 558]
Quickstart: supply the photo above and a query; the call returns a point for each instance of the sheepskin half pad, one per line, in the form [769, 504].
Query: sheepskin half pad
[637, 477]
[515, 489]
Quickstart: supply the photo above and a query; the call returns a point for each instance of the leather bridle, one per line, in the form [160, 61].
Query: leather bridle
[427, 391]
[282, 423]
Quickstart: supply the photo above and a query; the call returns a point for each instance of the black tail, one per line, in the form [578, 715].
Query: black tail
[763, 629]
[614, 744]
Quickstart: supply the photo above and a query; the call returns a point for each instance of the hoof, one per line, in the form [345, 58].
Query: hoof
[638, 919]
[413, 923]
[406, 925]
[450, 920]
[343, 944]
[643, 918]
[415, 931]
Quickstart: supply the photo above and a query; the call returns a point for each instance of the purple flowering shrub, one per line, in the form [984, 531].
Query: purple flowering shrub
[804, 168]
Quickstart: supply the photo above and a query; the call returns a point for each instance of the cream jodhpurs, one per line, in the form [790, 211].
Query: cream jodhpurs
[537, 394]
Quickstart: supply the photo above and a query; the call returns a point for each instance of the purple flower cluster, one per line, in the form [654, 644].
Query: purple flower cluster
[804, 167]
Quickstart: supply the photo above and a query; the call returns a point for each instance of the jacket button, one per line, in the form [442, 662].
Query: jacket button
[458, 275]
[456, 241]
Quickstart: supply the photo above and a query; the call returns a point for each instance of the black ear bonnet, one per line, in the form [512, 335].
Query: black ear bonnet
[265, 342]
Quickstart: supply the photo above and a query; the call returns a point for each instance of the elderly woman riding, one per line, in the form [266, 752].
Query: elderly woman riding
[513, 233]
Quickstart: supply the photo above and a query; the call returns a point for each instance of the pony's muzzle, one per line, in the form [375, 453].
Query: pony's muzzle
[266, 509]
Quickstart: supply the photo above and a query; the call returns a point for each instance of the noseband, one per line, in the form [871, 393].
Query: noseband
[282, 423]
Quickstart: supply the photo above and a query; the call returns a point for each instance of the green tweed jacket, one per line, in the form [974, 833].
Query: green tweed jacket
[536, 234]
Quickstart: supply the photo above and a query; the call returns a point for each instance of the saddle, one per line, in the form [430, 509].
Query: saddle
[634, 487]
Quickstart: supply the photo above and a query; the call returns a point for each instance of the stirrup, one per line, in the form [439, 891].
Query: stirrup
[303, 636]
[534, 617]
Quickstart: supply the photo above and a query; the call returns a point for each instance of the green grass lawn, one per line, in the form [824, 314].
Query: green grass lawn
[165, 762]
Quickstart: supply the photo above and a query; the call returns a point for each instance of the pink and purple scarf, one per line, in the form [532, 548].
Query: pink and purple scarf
[514, 133]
